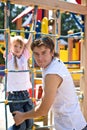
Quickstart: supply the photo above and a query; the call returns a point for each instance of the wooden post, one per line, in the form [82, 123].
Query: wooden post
[19, 23]
[70, 47]
[46, 13]
[56, 29]
[83, 81]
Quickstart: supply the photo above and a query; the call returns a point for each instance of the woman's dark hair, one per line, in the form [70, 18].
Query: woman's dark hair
[46, 41]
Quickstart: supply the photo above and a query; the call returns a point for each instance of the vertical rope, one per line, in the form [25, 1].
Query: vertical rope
[6, 36]
[34, 26]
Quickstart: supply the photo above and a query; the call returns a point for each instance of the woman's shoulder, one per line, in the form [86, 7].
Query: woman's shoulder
[56, 67]
[53, 66]
[56, 63]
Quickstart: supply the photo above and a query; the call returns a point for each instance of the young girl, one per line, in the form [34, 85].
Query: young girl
[19, 82]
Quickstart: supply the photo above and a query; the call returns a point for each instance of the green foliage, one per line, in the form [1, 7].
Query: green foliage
[2, 61]
[68, 23]
[1, 15]
[14, 12]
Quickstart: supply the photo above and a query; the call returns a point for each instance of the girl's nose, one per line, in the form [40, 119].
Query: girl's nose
[18, 48]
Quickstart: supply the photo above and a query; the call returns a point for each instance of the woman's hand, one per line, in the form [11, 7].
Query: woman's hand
[18, 117]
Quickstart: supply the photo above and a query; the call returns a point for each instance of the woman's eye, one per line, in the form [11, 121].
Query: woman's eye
[36, 54]
[44, 53]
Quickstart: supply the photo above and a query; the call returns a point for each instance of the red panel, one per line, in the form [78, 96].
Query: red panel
[78, 1]
[39, 14]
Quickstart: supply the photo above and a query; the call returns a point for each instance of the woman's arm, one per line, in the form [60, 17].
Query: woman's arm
[52, 82]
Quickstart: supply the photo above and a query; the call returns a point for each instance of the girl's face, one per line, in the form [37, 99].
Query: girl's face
[17, 48]
[43, 56]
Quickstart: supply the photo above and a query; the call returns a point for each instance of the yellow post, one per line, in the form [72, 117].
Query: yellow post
[44, 25]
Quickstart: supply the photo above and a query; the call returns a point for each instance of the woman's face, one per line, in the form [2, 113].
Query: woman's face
[43, 56]
[17, 48]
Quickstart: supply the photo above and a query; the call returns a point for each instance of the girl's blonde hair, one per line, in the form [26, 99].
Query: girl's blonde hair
[20, 40]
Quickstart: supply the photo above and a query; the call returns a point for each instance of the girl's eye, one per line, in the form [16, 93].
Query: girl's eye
[15, 46]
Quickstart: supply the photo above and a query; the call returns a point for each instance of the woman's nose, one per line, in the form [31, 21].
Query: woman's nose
[40, 57]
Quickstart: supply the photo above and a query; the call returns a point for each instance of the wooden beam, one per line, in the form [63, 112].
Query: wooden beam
[53, 5]
[83, 80]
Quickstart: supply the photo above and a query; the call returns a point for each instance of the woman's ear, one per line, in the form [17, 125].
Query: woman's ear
[53, 53]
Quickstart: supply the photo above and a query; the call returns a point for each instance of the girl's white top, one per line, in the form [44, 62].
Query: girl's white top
[66, 109]
[18, 81]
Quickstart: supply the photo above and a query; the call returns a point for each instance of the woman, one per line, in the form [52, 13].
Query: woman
[59, 90]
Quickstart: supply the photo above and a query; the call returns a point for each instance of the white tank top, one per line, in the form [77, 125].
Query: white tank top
[17, 81]
[66, 109]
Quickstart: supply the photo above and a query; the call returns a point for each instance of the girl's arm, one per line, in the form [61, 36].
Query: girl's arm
[9, 42]
[29, 41]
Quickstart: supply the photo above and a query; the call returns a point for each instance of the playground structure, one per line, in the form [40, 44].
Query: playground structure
[67, 52]
[80, 9]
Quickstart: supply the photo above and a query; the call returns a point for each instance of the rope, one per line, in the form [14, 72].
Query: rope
[78, 35]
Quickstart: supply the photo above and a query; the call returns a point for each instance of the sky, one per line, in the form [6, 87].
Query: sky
[72, 1]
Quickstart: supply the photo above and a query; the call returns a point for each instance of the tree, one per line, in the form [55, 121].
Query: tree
[1, 15]
[68, 23]
[14, 11]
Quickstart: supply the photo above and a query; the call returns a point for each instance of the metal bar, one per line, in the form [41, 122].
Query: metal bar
[72, 62]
